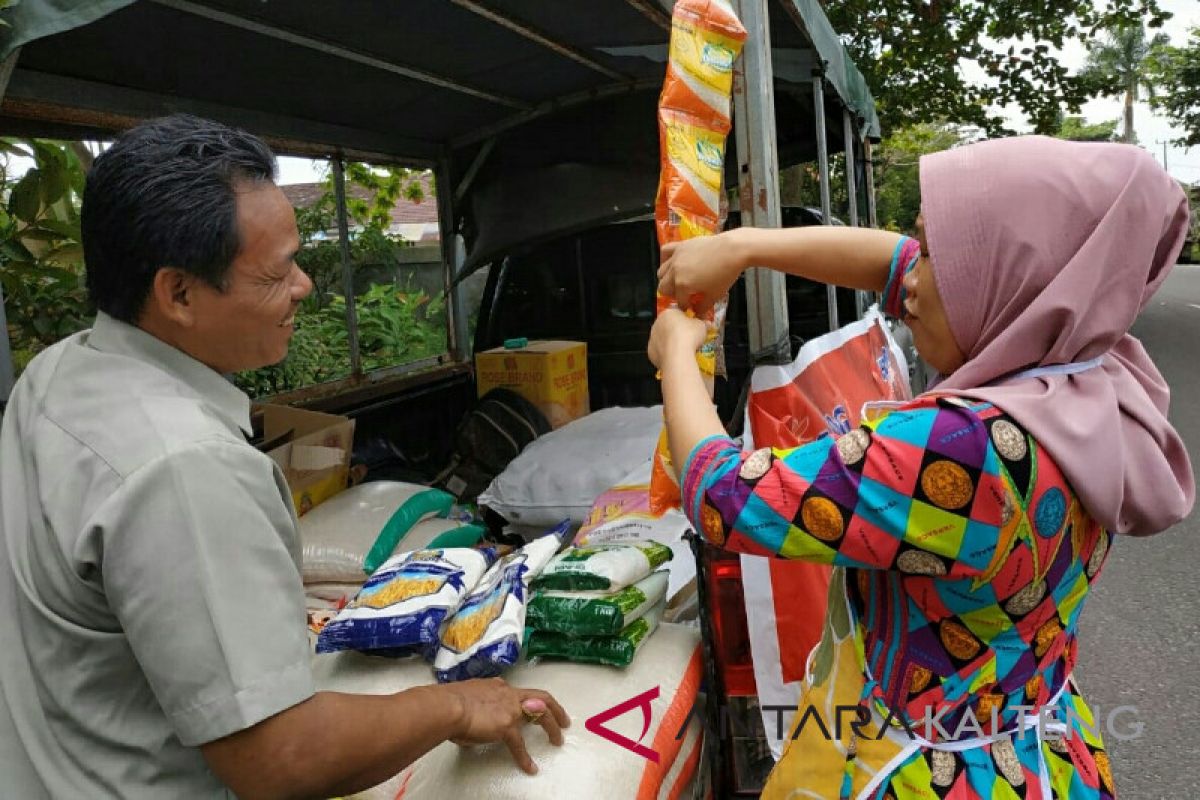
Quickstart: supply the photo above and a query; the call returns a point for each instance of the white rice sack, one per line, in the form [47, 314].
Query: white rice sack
[587, 766]
[336, 536]
[483, 638]
[559, 475]
[602, 567]
[403, 605]
[331, 594]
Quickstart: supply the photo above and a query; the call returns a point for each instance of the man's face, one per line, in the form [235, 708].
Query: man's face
[250, 323]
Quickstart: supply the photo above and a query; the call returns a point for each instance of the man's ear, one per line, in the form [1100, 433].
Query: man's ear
[172, 294]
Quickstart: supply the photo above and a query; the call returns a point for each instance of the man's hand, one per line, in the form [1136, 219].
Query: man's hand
[698, 272]
[493, 711]
[674, 333]
[336, 744]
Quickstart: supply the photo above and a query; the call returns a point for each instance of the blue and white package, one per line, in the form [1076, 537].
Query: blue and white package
[403, 604]
[484, 636]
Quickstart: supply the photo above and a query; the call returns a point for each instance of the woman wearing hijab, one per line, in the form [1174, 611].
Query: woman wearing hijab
[971, 521]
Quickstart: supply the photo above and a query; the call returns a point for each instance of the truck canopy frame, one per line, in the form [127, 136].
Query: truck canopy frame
[537, 116]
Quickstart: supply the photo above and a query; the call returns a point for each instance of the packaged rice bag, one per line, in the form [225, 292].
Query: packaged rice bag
[617, 651]
[607, 567]
[403, 605]
[483, 638]
[595, 613]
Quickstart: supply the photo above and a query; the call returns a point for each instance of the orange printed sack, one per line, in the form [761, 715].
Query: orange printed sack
[832, 385]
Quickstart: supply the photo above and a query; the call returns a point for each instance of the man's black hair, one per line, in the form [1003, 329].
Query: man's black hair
[163, 196]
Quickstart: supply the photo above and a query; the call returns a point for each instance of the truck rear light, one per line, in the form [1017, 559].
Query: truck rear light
[739, 756]
[730, 630]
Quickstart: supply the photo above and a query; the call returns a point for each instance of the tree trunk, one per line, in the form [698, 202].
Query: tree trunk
[1129, 138]
[83, 154]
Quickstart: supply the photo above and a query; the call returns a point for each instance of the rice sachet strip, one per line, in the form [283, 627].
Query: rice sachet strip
[693, 122]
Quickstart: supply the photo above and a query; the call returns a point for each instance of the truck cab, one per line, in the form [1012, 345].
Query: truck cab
[538, 122]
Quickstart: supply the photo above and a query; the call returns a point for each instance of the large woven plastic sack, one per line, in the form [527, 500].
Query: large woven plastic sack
[336, 536]
[693, 122]
[678, 782]
[559, 474]
[588, 766]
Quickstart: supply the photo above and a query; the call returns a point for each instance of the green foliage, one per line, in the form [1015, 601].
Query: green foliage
[897, 188]
[395, 326]
[801, 186]
[1120, 65]
[370, 245]
[5, 5]
[1077, 129]
[41, 255]
[913, 55]
[897, 181]
[45, 295]
[1179, 69]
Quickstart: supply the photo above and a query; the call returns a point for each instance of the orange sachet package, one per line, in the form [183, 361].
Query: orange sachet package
[693, 123]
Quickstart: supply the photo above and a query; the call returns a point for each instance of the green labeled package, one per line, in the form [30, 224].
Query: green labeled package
[605, 567]
[595, 613]
[616, 651]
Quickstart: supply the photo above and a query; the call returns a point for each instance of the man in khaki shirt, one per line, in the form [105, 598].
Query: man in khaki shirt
[152, 638]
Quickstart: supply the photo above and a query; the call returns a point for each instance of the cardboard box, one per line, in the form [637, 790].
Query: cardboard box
[550, 374]
[313, 450]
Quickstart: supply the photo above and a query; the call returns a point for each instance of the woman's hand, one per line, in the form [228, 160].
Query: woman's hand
[675, 334]
[698, 272]
[493, 711]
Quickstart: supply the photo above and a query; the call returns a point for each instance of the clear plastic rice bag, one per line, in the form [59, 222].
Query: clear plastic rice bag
[483, 638]
[401, 607]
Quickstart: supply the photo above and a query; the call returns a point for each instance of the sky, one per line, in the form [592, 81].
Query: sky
[1151, 129]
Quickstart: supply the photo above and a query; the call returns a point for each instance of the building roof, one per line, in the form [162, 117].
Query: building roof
[414, 221]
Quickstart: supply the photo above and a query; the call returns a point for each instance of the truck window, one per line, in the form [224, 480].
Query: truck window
[539, 294]
[398, 279]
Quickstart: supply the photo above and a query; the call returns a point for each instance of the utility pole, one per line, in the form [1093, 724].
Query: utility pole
[1164, 143]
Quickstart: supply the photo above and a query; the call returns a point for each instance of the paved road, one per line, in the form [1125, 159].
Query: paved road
[1140, 632]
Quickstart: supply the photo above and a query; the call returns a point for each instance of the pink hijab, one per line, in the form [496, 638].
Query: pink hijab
[1044, 252]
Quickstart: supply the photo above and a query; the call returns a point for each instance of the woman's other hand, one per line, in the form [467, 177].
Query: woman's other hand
[698, 272]
[675, 334]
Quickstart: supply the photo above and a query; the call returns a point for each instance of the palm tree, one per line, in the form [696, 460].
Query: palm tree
[1119, 64]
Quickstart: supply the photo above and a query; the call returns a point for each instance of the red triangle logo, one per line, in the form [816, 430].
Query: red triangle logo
[596, 724]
